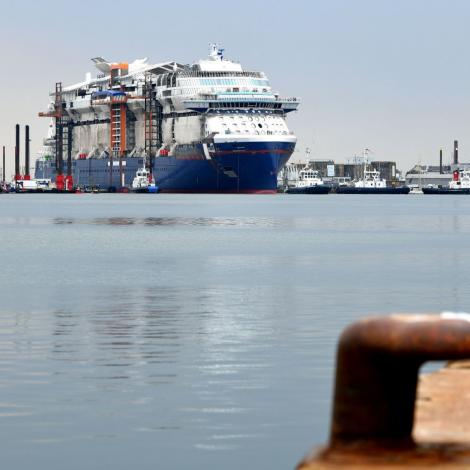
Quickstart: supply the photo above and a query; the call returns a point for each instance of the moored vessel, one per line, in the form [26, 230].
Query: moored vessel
[209, 127]
[371, 183]
[460, 184]
[142, 182]
[309, 182]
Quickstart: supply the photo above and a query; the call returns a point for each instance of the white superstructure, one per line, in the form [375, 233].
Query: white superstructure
[308, 178]
[461, 180]
[371, 178]
[214, 97]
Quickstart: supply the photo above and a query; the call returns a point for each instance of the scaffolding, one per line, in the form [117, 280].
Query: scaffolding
[118, 134]
[152, 124]
[63, 139]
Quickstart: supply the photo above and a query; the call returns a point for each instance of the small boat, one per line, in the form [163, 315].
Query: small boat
[142, 182]
[39, 185]
[371, 183]
[460, 184]
[416, 190]
[309, 182]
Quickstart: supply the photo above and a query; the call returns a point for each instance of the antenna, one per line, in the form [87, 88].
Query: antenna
[215, 51]
[308, 151]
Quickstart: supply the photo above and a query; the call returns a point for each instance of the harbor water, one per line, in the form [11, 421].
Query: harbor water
[199, 331]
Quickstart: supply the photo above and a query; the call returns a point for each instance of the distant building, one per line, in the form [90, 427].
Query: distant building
[425, 175]
[321, 166]
[428, 178]
[387, 170]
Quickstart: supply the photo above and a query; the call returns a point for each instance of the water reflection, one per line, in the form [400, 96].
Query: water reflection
[142, 336]
[370, 223]
[173, 221]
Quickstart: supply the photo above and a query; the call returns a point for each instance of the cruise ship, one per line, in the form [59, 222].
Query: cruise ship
[207, 127]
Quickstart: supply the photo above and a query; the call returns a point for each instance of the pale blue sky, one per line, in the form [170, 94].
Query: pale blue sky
[392, 75]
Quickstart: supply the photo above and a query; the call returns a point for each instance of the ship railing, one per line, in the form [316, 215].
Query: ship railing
[196, 73]
[243, 96]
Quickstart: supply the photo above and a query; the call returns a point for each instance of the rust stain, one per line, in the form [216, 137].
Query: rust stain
[375, 421]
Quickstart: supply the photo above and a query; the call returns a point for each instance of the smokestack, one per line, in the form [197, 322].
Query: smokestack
[456, 152]
[3, 164]
[17, 153]
[26, 153]
[440, 161]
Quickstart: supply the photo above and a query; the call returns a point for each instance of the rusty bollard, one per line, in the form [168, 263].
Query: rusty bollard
[378, 361]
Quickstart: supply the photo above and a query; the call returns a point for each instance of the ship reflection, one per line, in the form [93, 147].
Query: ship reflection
[175, 221]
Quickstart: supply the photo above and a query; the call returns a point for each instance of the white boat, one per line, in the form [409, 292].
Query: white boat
[32, 185]
[309, 182]
[460, 184]
[371, 179]
[461, 180]
[371, 183]
[415, 190]
[142, 182]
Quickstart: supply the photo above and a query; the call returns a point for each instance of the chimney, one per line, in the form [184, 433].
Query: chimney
[26, 153]
[440, 161]
[456, 152]
[17, 154]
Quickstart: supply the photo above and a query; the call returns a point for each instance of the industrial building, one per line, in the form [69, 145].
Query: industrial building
[435, 175]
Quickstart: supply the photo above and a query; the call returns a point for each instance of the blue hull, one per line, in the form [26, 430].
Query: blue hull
[230, 167]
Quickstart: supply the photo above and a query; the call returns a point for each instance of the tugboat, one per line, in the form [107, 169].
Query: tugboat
[460, 184]
[371, 183]
[309, 182]
[142, 182]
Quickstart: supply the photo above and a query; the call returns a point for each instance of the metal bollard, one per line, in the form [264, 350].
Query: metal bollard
[378, 361]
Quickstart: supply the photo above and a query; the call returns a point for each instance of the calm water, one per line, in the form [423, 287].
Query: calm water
[182, 331]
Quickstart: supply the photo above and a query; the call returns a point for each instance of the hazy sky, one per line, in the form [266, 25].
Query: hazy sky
[390, 75]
